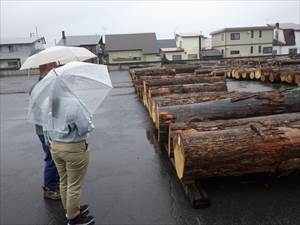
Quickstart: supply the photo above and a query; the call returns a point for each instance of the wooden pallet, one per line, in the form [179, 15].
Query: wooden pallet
[195, 192]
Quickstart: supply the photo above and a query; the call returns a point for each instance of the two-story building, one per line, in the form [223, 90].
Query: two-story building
[188, 46]
[90, 42]
[286, 38]
[192, 44]
[14, 51]
[131, 48]
[243, 41]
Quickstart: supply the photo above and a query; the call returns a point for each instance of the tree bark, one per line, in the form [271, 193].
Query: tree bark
[238, 147]
[257, 104]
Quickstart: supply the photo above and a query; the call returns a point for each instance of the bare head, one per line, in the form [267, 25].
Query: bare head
[45, 68]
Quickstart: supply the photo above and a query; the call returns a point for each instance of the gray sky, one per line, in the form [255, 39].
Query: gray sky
[19, 18]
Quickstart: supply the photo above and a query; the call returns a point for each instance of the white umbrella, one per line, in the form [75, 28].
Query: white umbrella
[58, 54]
[77, 88]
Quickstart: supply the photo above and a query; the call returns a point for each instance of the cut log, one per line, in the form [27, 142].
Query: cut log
[257, 104]
[203, 71]
[185, 88]
[257, 74]
[252, 75]
[238, 147]
[184, 68]
[274, 76]
[183, 99]
[182, 80]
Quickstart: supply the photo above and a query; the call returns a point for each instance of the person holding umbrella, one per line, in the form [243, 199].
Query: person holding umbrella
[51, 177]
[64, 103]
[46, 60]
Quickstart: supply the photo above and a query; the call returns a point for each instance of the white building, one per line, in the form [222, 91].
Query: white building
[191, 43]
[243, 41]
[14, 51]
[286, 38]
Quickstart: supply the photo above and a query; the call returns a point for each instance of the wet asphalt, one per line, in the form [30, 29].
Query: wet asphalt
[129, 181]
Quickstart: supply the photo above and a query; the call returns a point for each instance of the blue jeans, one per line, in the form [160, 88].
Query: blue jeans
[51, 177]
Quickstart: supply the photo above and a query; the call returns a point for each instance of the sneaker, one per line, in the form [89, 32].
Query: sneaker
[53, 195]
[84, 210]
[82, 220]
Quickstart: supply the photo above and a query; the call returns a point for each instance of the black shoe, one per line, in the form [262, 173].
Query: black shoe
[84, 210]
[81, 220]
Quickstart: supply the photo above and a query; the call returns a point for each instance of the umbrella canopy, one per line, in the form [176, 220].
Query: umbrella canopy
[68, 94]
[58, 54]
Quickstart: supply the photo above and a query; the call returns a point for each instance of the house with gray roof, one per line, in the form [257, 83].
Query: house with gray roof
[131, 48]
[90, 42]
[14, 51]
[286, 38]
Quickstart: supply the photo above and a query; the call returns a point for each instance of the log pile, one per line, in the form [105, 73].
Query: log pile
[283, 70]
[209, 131]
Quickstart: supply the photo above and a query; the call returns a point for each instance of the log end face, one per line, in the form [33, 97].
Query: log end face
[178, 155]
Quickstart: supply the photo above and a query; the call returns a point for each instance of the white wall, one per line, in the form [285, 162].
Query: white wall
[151, 58]
[125, 56]
[189, 44]
[245, 50]
[284, 50]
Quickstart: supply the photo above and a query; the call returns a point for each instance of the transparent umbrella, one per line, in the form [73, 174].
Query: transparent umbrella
[68, 94]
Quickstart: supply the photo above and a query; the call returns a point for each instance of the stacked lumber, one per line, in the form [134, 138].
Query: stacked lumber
[195, 116]
[285, 70]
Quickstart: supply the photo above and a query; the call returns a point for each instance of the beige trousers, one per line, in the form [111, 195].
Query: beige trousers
[71, 160]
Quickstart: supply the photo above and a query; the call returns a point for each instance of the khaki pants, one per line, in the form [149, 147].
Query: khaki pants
[71, 160]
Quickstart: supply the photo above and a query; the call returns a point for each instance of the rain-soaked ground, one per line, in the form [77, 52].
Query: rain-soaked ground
[128, 181]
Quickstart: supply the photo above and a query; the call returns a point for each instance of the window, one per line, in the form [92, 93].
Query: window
[13, 64]
[235, 52]
[176, 57]
[267, 50]
[259, 49]
[222, 52]
[222, 37]
[11, 48]
[292, 51]
[192, 56]
[251, 49]
[260, 33]
[235, 36]
[252, 33]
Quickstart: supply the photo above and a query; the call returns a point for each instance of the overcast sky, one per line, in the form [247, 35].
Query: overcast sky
[19, 18]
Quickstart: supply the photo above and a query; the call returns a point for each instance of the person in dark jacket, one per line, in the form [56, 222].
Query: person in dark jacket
[51, 177]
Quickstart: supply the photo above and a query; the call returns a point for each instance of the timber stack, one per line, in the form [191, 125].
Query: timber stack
[285, 70]
[208, 131]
